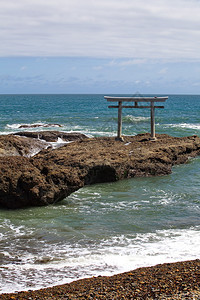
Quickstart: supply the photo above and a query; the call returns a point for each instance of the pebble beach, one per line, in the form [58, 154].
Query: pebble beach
[179, 280]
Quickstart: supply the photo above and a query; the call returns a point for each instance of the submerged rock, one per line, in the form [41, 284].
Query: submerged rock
[39, 125]
[52, 175]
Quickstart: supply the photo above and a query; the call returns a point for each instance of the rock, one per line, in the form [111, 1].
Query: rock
[39, 125]
[22, 184]
[52, 175]
[19, 146]
[52, 136]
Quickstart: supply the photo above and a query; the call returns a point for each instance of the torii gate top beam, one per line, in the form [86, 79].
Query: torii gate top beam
[151, 100]
[136, 99]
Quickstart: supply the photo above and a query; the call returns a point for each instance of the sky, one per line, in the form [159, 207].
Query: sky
[106, 47]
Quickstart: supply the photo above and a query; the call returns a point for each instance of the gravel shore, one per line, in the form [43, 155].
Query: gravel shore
[179, 280]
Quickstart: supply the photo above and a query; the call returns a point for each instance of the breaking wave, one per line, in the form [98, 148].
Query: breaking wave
[184, 126]
[133, 119]
[64, 263]
[33, 125]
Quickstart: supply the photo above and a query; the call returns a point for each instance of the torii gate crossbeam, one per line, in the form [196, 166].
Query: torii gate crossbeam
[152, 106]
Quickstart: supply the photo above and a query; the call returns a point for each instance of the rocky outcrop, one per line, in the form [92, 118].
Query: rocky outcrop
[52, 136]
[18, 146]
[52, 175]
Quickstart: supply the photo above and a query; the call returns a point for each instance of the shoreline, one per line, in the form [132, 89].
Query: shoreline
[180, 280]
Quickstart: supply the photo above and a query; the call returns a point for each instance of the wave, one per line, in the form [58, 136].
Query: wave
[133, 119]
[32, 125]
[90, 132]
[57, 264]
[184, 125]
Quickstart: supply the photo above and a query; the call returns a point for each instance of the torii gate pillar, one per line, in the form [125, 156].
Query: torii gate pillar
[119, 128]
[153, 135]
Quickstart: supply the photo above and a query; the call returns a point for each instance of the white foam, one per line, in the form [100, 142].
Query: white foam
[119, 254]
[89, 132]
[36, 150]
[31, 125]
[13, 126]
[17, 126]
[60, 142]
[184, 125]
[134, 119]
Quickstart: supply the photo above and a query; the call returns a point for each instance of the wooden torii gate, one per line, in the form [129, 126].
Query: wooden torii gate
[152, 106]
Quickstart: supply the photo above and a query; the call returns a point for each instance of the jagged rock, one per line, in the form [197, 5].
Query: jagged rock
[52, 175]
[19, 146]
[22, 184]
[52, 136]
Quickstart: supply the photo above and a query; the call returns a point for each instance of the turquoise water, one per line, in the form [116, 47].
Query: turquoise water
[89, 114]
[104, 228]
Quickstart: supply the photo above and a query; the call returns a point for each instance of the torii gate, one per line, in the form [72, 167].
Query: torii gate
[152, 106]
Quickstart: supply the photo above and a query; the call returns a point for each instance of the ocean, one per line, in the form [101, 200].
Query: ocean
[102, 229]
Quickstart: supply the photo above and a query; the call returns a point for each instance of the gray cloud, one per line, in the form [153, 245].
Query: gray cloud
[167, 29]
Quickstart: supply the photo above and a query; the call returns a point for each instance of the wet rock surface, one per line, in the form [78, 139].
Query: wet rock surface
[39, 125]
[52, 175]
[52, 136]
[179, 280]
[11, 145]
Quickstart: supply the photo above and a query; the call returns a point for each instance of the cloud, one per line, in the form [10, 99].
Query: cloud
[126, 62]
[23, 68]
[133, 29]
[137, 81]
[97, 68]
[197, 84]
[163, 71]
[12, 79]
[133, 62]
